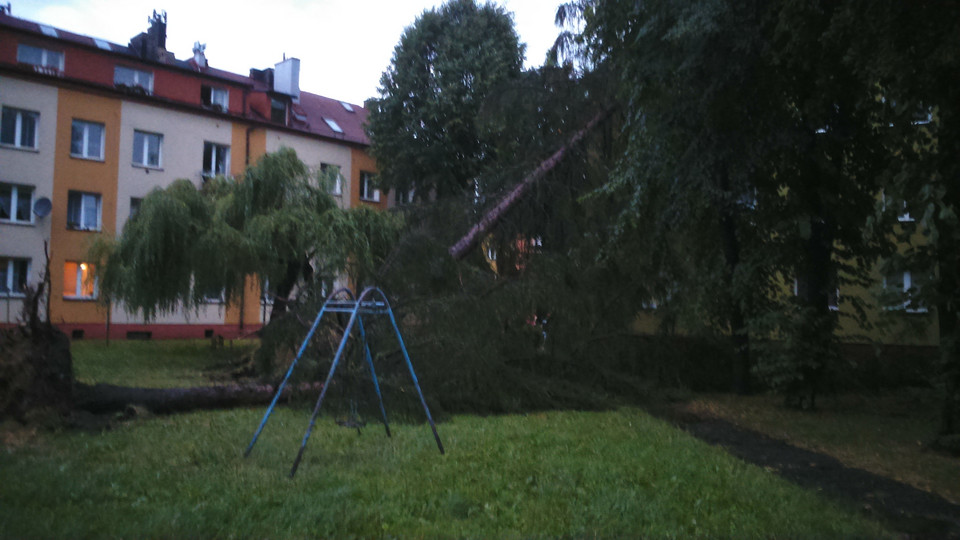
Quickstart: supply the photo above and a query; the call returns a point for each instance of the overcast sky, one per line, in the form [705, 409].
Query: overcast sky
[343, 45]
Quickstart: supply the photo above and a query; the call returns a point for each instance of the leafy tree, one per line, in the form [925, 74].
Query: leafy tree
[908, 55]
[749, 160]
[424, 126]
[276, 222]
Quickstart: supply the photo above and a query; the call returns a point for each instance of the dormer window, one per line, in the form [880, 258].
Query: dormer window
[133, 79]
[278, 111]
[44, 60]
[215, 98]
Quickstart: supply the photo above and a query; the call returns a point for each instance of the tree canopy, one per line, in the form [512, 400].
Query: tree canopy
[276, 222]
[777, 142]
[424, 127]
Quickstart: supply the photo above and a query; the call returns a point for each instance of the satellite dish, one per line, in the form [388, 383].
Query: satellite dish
[42, 207]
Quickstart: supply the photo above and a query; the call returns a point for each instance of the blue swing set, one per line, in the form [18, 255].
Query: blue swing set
[372, 301]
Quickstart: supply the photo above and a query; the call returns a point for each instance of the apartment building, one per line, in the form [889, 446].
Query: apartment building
[89, 127]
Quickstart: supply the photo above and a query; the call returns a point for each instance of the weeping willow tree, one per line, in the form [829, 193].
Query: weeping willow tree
[275, 223]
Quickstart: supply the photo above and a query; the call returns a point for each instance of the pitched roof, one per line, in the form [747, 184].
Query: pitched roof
[314, 114]
[319, 110]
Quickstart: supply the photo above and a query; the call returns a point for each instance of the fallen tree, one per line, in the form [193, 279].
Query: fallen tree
[463, 246]
[105, 398]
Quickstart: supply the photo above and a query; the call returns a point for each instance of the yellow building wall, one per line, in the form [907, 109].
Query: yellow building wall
[361, 161]
[95, 176]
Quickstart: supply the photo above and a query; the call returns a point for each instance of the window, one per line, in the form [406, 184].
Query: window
[19, 128]
[833, 292]
[146, 149]
[44, 60]
[278, 111]
[401, 197]
[13, 276]
[368, 192]
[15, 203]
[266, 295]
[216, 159]
[79, 281]
[906, 285]
[336, 183]
[213, 295]
[133, 79]
[904, 216]
[333, 125]
[347, 106]
[135, 205]
[86, 140]
[83, 211]
[215, 98]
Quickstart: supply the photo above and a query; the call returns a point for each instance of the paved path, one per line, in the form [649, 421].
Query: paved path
[906, 509]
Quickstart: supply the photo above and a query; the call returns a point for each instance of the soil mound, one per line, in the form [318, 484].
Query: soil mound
[36, 374]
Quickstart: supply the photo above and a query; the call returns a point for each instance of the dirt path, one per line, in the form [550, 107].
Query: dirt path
[906, 509]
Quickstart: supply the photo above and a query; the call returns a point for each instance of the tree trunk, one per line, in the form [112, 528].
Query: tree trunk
[738, 322]
[463, 246]
[104, 398]
[815, 334]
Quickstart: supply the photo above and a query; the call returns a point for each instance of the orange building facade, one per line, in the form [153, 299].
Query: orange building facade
[90, 127]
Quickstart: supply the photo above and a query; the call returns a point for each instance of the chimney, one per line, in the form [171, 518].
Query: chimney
[286, 79]
[152, 44]
[199, 58]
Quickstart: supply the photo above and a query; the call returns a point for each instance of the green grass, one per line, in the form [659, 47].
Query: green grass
[883, 434]
[152, 364]
[607, 474]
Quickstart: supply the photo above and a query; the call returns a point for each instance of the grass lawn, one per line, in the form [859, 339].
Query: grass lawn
[881, 434]
[152, 364]
[604, 474]
[609, 474]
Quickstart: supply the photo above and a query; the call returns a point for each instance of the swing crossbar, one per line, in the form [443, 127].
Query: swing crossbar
[357, 308]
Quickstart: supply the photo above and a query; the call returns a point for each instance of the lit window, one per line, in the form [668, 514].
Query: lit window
[83, 211]
[13, 276]
[18, 128]
[333, 125]
[15, 203]
[215, 98]
[368, 191]
[146, 149]
[42, 59]
[86, 139]
[133, 78]
[79, 281]
[216, 159]
[336, 182]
